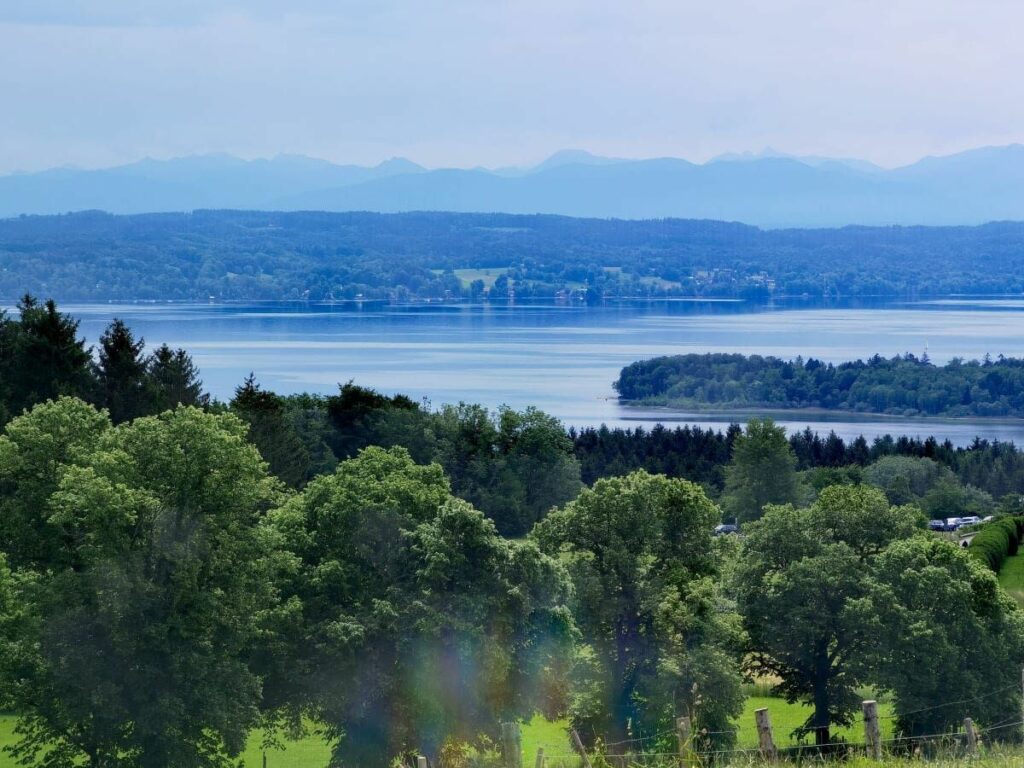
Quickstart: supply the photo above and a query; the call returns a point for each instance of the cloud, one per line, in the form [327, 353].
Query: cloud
[492, 82]
[144, 13]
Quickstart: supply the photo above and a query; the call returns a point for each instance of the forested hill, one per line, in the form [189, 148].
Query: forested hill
[904, 385]
[236, 255]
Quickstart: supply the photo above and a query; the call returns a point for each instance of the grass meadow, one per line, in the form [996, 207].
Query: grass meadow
[313, 752]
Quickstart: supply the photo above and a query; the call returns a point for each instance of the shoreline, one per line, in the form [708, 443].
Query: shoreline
[819, 414]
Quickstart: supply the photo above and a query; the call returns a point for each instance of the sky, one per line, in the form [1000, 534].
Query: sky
[94, 83]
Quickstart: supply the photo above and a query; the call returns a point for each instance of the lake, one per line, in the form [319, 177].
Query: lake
[561, 358]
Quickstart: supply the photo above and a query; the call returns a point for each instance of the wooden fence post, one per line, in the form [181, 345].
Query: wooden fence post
[683, 734]
[578, 743]
[264, 758]
[972, 737]
[872, 731]
[765, 737]
[511, 745]
[539, 762]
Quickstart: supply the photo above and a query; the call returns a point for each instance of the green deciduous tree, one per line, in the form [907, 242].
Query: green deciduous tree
[514, 465]
[419, 624]
[905, 478]
[17, 621]
[800, 571]
[948, 641]
[153, 596]
[34, 450]
[762, 471]
[638, 549]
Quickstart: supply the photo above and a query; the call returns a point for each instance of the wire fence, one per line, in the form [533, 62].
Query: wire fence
[669, 749]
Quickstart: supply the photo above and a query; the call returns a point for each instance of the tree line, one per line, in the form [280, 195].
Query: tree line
[254, 255]
[983, 476]
[512, 465]
[904, 385]
[163, 590]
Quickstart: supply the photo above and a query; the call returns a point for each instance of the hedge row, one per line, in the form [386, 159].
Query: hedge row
[997, 541]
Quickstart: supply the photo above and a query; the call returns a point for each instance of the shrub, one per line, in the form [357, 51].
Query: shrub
[996, 541]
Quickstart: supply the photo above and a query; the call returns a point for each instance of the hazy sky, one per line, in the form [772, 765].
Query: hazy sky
[466, 82]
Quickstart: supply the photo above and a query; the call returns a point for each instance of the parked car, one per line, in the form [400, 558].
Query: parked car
[936, 525]
[970, 520]
[988, 518]
[725, 528]
[953, 523]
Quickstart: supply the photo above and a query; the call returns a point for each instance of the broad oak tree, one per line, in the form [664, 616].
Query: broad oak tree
[657, 642]
[798, 574]
[930, 602]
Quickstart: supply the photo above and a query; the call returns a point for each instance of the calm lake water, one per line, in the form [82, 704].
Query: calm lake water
[561, 359]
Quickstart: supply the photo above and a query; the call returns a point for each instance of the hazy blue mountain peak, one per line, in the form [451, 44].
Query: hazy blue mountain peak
[767, 188]
[400, 165]
[575, 157]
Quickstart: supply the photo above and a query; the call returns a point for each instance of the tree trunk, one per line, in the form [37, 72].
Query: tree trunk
[821, 721]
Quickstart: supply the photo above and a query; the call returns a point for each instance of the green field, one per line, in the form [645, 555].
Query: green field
[467, 276]
[6, 737]
[788, 717]
[660, 282]
[1011, 577]
[312, 752]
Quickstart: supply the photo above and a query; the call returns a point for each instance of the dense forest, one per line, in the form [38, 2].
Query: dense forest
[904, 385]
[176, 571]
[237, 255]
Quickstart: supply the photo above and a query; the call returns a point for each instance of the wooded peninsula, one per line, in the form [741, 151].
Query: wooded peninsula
[905, 385]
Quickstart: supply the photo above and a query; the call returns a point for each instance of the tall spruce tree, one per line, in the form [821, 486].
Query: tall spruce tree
[42, 357]
[122, 373]
[173, 379]
[270, 431]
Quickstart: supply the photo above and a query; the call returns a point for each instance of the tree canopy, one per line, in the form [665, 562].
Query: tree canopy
[150, 574]
[799, 572]
[930, 603]
[638, 550]
[416, 624]
[762, 471]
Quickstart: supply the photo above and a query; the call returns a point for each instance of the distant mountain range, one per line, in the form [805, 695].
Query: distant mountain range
[768, 189]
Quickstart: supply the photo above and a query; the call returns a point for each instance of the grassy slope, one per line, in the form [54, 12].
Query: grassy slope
[788, 717]
[1011, 577]
[6, 737]
[311, 752]
[467, 276]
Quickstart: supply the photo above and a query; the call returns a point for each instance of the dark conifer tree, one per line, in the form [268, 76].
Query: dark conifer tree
[270, 431]
[173, 379]
[122, 373]
[41, 357]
